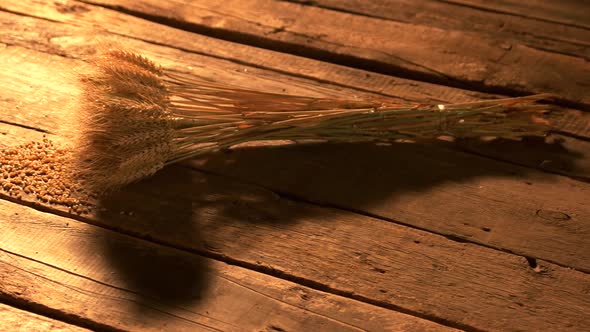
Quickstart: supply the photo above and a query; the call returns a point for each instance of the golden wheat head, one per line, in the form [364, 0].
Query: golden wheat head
[135, 118]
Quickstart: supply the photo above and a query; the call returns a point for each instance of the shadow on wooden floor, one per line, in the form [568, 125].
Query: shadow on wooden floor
[183, 207]
[165, 275]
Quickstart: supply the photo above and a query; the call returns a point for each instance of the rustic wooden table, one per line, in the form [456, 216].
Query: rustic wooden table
[475, 236]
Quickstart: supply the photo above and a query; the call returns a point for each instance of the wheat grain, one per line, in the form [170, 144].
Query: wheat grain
[39, 171]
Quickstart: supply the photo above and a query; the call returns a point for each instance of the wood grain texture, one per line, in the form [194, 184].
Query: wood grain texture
[443, 191]
[572, 12]
[339, 81]
[359, 257]
[116, 281]
[16, 320]
[468, 16]
[289, 170]
[393, 266]
[386, 46]
[568, 157]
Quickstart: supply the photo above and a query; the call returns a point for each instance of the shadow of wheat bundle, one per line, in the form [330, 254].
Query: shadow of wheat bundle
[136, 117]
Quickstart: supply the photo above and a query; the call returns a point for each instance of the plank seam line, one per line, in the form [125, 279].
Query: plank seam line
[569, 42]
[297, 198]
[95, 281]
[508, 161]
[49, 312]
[25, 126]
[576, 136]
[582, 179]
[498, 11]
[313, 3]
[236, 282]
[352, 61]
[271, 69]
[542, 49]
[233, 60]
[327, 289]
[29, 16]
[55, 314]
[231, 261]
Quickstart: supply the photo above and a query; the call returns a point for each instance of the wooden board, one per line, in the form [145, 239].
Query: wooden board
[446, 192]
[359, 257]
[394, 264]
[271, 71]
[452, 57]
[106, 280]
[496, 19]
[379, 200]
[568, 12]
[566, 157]
[16, 320]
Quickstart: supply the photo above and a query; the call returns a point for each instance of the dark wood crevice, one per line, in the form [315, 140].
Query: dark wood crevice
[315, 3]
[27, 15]
[295, 233]
[58, 315]
[300, 199]
[55, 314]
[352, 61]
[24, 126]
[491, 10]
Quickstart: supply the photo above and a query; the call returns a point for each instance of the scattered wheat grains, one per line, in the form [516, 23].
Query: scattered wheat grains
[39, 170]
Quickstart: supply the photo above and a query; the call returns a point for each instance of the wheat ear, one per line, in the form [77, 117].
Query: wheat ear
[136, 117]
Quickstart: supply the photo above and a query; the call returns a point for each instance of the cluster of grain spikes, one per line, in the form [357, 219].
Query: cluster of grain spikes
[135, 118]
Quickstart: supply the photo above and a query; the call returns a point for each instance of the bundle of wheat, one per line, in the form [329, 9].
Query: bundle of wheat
[135, 118]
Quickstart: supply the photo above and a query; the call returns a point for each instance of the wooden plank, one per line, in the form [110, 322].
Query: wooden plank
[278, 67]
[69, 266]
[469, 16]
[572, 12]
[415, 51]
[570, 154]
[16, 320]
[444, 191]
[468, 169]
[272, 71]
[462, 284]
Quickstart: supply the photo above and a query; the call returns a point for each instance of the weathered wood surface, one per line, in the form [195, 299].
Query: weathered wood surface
[567, 12]
[383, 187]
[17, 320]
[561, 29]
[341, 252]
[451, 56]
[371, 260]
[321, 78]
[107, 280]
[59, 40]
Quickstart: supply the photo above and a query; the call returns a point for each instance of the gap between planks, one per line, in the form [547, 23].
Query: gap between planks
[58, 256]
[559, 166]
[255, 222]
[15, 319]
[40, 116]
[165, 56]
[261, 245]
[479, 67]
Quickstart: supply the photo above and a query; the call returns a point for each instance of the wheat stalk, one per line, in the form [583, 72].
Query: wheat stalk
[135, 118]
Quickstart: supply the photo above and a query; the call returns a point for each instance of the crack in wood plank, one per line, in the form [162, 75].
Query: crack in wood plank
[104, 280]
[496, 78]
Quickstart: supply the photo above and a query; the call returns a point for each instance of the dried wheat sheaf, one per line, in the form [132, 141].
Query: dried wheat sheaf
[136, 117]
